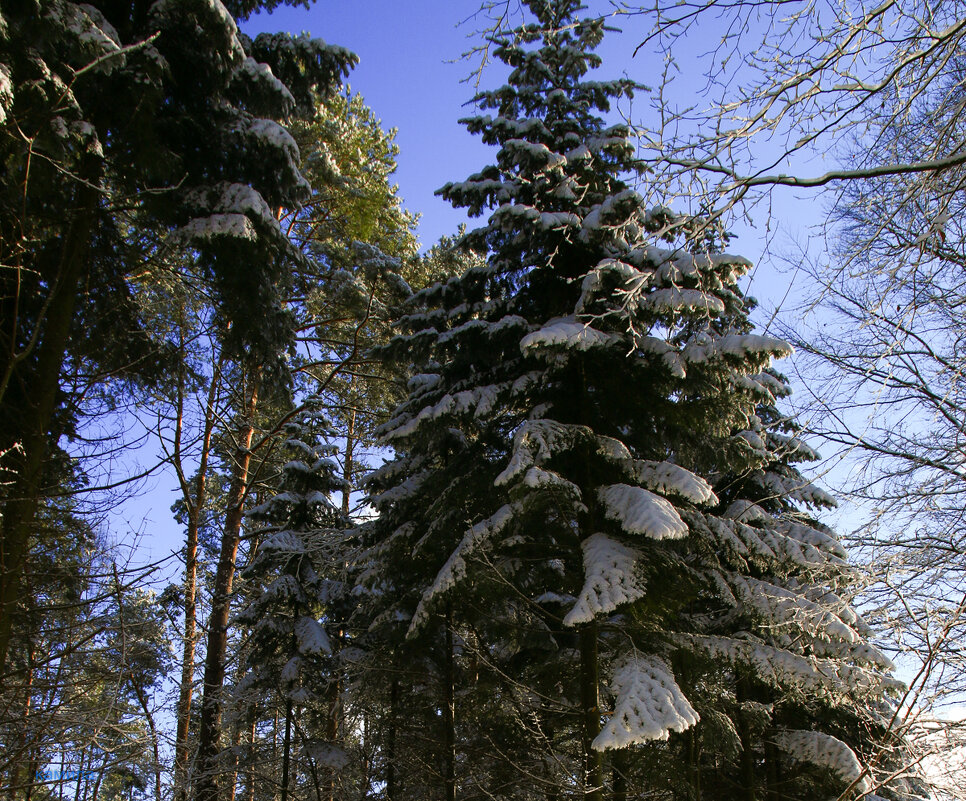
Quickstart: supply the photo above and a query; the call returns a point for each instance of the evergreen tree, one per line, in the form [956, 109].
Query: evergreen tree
[581, 461]
[128, 132]
[298, 615]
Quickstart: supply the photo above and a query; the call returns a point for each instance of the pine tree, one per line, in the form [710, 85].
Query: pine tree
[299, 591]
[128, 133]
[582, 456]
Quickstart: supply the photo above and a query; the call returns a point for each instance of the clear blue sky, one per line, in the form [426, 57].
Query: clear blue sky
[410, 75]
[413, 78]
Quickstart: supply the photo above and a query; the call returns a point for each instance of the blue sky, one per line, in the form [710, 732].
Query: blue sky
[413, 78]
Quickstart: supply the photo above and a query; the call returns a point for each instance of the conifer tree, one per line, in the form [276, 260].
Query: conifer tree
[128, 133]
[299, 591]
[584, 481]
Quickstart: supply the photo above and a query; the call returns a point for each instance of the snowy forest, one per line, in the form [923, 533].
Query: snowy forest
[536, 511]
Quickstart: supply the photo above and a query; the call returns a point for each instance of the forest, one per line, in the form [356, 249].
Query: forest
[535, 511]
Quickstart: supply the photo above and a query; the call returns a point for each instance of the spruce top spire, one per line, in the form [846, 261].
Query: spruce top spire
[558, 159]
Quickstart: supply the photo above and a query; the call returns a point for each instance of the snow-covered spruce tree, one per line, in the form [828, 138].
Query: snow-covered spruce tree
[584, 482]
[298, 613]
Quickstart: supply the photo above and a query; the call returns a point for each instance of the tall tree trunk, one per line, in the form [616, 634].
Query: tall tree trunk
[19, 775]
[155, 744]
[772, 775]
[391, 740]
[746, 780]
[620, 765]
[333, 727]
[348, 464]
[693, 745]
[40, 390]
[235, 741]
[195, 506]
[449, 711]
[590, 711]
[209, 732]
[250, 789]
[286, 747]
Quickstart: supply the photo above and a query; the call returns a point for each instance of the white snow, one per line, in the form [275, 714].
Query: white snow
[512, 215]
[455, 568]
[311, 637]
[813, 537]
[285, 542]
[233, 198]
[739, 346]
[89, 27]
[745, 511]
[670, 479]
[639, 511]
[535, 442]
[422, 382]
[649, 705]
[521, 149]
[402, 490]
[215, 9]
[783, 669]
[825, 751]
[673, 300]
[262, 73]
[606, 215]
[290, 673]
[480, 400]
[609, 579]
[509, 321]
[783, 606]
[237, 226]
[284, 587]
[6, 92]
[537, 477]
[568, 333]
[328, 755]
[668, 353]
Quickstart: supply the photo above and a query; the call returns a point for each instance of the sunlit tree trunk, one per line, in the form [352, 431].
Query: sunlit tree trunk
[209, 734]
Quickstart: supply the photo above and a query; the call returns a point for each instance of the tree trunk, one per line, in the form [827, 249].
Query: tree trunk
[590, 709]
[693, 746]
[746, 780]
[391, 741]
[16, 775]
[250, 789]
[620, 765]
[195, 506]
[347, 463]
[40, 390]
[209, 733]
[235, 741]
[155, 744]
[772, 774]
[449, 712]
[333, 728]
[286, 748]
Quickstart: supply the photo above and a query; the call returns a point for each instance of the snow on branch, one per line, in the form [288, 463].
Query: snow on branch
[827, 752]
[641, 512]
[566, 332]
[610, 580]
[663, 477]
[649, 705]
[455, 567]
[535, 442]
[311, 637]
